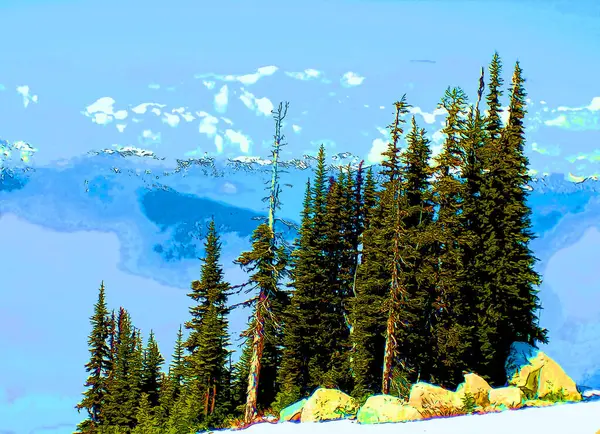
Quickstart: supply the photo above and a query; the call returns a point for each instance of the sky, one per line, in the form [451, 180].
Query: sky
[191, 79]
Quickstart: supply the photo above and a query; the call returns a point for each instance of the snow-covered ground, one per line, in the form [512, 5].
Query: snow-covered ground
[579, 418]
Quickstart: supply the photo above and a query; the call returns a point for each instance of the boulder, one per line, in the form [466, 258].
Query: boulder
[386, 408]
[477, 387]
[509, 397]
[538, 376]
[328, 404]
[292, 412]
[425, 396]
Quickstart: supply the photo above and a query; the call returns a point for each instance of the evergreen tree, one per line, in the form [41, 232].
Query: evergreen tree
[267, 261]
[509, 295]
[208, 337]
[293, 375]
[451, 303]
[146, 422]
[151, 378]
[97, 367]
[122, 400]
[173, 382]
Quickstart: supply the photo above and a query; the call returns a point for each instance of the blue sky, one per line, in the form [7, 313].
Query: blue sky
[183, 80]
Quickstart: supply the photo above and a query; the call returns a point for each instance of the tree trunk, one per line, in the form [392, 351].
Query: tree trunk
[388, 356]
[207, 398]
[214, 397]
[258, 344]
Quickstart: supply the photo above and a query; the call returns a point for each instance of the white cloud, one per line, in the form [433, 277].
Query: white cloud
[140, 109]
[429, 118]
[236, 137]
[221, 99]
[245, 79]
[260, 72]
[307, 74]
[219, 143]
[543, 102]
[156, 111]
[595, 104]
[102, 111]
[171, 120]
[208, 125]
[227, 120]
[121, 127]
[296, 128]
[557, 122]
[24, 91]
[154, 86]
[148, 137]
[350, 79]
[229, 188]
[187, 116]
[259, 105]
[377, 147]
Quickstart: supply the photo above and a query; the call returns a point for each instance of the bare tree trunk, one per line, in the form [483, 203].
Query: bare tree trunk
[214, 397]
[207, 398]
[388, 356]
[258, 344]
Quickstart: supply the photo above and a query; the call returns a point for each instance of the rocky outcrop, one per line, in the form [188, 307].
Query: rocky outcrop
[538, 376]
[386, 408]
[476, 387]
[535, 380]
[328, 404]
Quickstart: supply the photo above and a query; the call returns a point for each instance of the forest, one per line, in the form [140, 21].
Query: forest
[417, 270]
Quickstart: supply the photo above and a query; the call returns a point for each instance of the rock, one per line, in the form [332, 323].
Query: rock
[509, 397]
[538, 376]
[476, 387]
[386, 408]
[328, 404]
[292, 412]
[425, 396]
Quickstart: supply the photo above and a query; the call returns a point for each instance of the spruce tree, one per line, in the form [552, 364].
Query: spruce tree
[146, 422]
[267, 262]
[120, 406]
[97, 367]
[293, 375]
[208, 337]
[509, 295]
[451, 304]
[151, 378]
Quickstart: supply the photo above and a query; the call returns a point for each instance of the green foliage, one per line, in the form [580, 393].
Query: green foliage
[98, 367]
[207, 374]
[469, 403]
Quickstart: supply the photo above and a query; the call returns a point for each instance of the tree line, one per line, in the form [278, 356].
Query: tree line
[417, 271]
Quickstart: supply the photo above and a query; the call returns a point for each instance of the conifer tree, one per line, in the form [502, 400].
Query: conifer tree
[97, 367]
[395, 304]
[122, 400]
[293, 375]
[267, 261]
[146, 422]
[151, 378]
[208, 330]
[509, 294]
[451, 304]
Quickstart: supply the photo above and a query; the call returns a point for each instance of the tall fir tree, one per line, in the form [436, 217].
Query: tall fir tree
[121, 405]
[208, 336]
[509, 295]
[450, 305]
[151, 372]
[267, 262]
[98, 367]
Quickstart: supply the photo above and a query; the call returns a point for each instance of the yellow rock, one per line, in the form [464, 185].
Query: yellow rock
[477, 387]
[510, 396]
[543, 377]
[427, 396]
[553, 380]
[328, 404]
[386, 408]
[537, 403]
